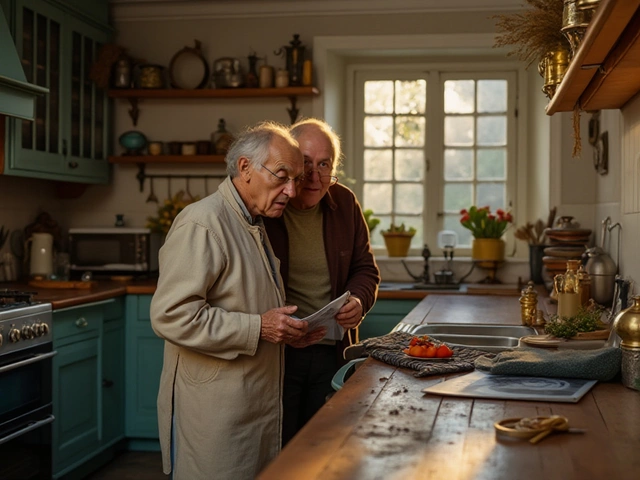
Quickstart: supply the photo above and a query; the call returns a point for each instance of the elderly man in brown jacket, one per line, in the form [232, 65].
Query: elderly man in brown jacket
[219, 305]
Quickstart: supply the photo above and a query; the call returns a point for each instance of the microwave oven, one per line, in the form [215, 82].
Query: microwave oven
[112, 251]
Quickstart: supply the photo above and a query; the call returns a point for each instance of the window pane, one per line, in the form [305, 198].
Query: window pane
[378, 97]
[492, 164]
[410, 131]
[411, 96]
[377, 197]
[492, 96]
[378, 131]
[492, 130]
[458, 164]
[408, 198]
[410, 165]
[457, 196]
[458, 131]
[459, 96]
[491, 194]
[377, 164]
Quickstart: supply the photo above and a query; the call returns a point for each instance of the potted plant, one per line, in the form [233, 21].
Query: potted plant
[372, 222]
[398, 239]
[487, 229]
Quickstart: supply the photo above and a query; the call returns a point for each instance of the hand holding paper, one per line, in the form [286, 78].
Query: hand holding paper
[325, 317]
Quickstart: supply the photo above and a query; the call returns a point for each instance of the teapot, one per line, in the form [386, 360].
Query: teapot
[41, 254]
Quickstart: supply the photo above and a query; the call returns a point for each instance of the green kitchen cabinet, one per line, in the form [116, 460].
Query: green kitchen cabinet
[385, 315]
[112, 381]
[144, 356]
[58, 45]
[76, 387]
[88, 382]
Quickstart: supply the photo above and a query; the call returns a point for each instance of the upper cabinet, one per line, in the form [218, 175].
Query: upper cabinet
[605, 71]
[58, 44]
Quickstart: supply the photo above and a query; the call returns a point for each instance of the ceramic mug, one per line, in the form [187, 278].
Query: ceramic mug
[155, 148]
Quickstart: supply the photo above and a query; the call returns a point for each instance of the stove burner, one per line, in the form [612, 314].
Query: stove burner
[15, 299]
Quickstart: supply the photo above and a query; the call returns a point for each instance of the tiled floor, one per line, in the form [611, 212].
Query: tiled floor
[132, 466]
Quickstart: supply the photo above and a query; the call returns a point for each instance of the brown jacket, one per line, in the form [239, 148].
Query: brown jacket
[352, 265]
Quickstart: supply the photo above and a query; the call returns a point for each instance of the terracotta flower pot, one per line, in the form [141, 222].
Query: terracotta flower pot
[397, 243]
[487, 251]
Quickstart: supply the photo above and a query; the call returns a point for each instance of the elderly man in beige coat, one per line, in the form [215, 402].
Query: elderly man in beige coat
[219, 305]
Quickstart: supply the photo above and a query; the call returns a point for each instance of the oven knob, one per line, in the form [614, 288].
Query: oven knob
[1, 339]
[27, 332]
[14, 335]
[42, 329]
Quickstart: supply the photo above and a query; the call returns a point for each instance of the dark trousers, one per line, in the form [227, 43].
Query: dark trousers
[307, 382]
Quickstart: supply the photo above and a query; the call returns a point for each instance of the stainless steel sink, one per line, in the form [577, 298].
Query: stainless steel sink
[490, 338]
[417, 286]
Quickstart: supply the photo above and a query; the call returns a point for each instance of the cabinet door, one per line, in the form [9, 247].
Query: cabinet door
[384, 315]
[75, 403]
[86, 117]
[37, 147]
[112, 381]
[144, 364]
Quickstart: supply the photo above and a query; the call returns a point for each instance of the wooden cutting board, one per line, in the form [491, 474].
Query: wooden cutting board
[61, 284]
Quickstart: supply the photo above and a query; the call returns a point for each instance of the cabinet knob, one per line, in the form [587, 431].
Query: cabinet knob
[73, 164]
[81, 322]
[107, 383]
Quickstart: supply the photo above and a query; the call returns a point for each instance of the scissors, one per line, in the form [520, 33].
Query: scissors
[534, 428]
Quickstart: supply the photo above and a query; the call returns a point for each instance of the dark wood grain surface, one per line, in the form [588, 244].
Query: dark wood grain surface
[381, 426]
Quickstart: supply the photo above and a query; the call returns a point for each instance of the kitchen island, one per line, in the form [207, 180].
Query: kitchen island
[381, 426]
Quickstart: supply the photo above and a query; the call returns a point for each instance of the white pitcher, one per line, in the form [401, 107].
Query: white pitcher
[41, 253]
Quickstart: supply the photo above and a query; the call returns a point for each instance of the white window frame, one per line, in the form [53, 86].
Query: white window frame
[436, 74]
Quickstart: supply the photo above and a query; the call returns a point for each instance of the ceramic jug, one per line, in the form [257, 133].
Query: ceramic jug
[41, 254]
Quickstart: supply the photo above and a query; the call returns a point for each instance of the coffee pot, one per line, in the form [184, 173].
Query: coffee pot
[41, 254]
[601, 267]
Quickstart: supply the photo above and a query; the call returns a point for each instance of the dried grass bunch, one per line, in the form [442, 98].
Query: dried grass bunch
[534, 32]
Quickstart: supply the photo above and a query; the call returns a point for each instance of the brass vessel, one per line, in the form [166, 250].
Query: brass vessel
[575, 22]
[552, 68]
[587, 4]
[627, 325]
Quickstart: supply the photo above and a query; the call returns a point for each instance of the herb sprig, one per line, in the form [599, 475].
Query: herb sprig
[586, 320]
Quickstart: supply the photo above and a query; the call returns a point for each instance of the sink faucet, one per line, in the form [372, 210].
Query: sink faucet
[424, 278]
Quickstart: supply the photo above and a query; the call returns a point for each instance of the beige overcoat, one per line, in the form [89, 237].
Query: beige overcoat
[220, 382]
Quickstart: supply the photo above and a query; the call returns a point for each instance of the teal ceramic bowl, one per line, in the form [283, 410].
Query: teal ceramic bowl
[133, 141]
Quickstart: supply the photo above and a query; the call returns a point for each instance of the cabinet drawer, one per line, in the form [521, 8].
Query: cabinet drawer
[76, 322]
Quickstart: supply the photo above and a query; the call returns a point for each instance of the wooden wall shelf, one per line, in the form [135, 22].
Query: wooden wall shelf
[143, 159]
[605, 71]
[135, 95]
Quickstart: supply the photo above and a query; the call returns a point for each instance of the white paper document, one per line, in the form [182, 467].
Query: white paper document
[326, 317]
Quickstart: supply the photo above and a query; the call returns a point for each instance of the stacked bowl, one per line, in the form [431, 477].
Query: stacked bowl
[566, 242]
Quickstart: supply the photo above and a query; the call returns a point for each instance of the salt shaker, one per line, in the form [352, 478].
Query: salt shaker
[627, 326]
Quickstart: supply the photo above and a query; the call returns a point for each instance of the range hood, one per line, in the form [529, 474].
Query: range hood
[17, 96]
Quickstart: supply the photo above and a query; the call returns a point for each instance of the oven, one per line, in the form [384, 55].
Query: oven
[26, 353]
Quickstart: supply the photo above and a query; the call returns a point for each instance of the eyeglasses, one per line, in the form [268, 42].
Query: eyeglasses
[284, 180]
[324, 173]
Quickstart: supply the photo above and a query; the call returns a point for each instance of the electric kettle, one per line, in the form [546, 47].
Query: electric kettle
[41, 254]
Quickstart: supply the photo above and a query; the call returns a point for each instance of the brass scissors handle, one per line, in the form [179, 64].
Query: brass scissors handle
[533, 428]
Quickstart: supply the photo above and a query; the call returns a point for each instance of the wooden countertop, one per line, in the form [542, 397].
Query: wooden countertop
[381, 426]
[103, 290]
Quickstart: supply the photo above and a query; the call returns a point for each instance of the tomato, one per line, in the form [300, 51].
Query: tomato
[414, 341]
[415, 351]
[406, 350]
[444, 351]
[431, 351]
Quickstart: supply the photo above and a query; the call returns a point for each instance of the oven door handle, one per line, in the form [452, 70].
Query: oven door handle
[28, 361]
[32, 426]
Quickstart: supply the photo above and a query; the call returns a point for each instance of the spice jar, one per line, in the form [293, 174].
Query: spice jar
[627, 326]
[584, 285]
[529, 305]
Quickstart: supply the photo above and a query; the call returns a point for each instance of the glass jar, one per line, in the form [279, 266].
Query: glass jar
[221, 139]
[529, 305]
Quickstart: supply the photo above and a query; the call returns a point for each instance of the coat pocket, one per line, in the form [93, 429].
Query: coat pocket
[197, 368]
